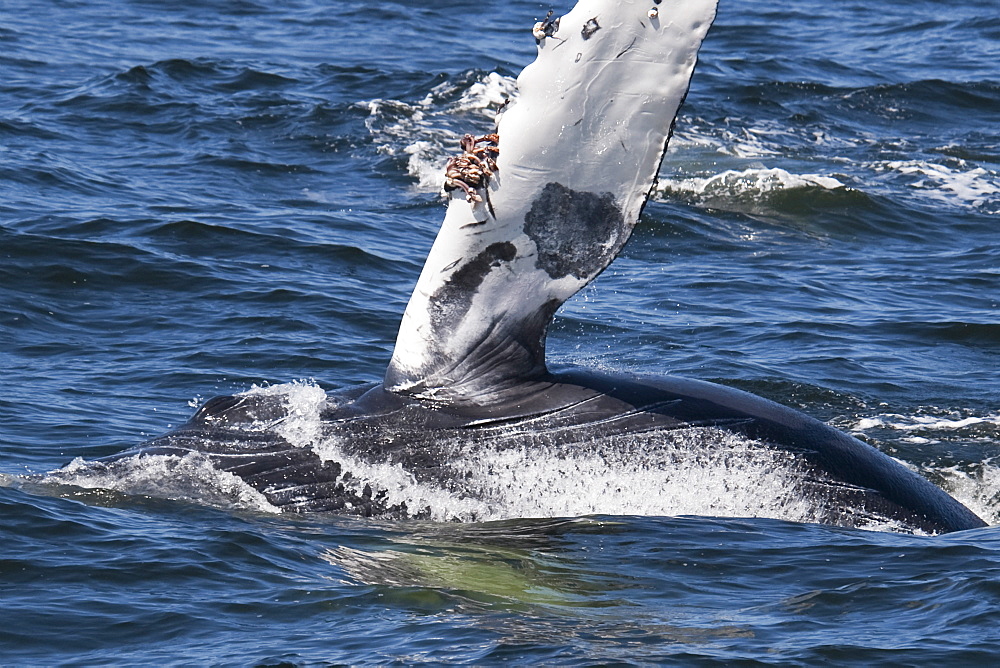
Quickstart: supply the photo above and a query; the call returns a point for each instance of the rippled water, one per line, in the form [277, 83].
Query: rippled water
[198, 198]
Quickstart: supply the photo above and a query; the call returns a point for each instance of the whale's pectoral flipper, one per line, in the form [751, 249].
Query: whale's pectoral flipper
[578, 152]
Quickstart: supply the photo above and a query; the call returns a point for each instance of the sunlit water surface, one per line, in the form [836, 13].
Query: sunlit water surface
[200, 198]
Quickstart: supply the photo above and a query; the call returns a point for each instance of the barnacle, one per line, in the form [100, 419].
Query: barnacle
[472, 170]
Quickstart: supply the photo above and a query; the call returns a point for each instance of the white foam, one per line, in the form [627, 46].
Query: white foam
[698, 146]
[763, 140]
[191, 478]
[747, 143]
[401, 486]
[304, 401]
[681, 472]
[424, 130]
[427, 163]
[736, 184]
[922, 422]
[956, 184]
[486, 95]
[978, 490]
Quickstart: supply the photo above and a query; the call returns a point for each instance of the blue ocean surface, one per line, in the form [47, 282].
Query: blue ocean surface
[222, 196]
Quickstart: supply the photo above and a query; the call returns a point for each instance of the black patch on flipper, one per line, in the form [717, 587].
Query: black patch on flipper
[575, 232]
[453, 300]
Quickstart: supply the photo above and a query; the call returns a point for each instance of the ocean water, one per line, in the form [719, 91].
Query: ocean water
[226, 196]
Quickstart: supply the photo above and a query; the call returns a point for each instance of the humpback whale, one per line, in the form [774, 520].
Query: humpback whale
[536, 211]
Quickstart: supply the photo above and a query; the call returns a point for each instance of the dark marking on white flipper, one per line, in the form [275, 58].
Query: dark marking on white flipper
[572, 229]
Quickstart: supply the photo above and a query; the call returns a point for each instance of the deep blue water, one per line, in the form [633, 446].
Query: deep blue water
[199, 197]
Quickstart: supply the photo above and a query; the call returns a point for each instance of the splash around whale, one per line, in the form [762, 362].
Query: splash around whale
[470, 423]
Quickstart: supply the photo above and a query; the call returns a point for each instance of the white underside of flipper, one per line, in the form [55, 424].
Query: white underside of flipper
[579, 151]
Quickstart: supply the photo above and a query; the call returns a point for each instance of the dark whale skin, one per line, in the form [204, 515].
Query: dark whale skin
[849, 482]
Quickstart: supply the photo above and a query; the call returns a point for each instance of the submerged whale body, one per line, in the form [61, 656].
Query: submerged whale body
[536, 212]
